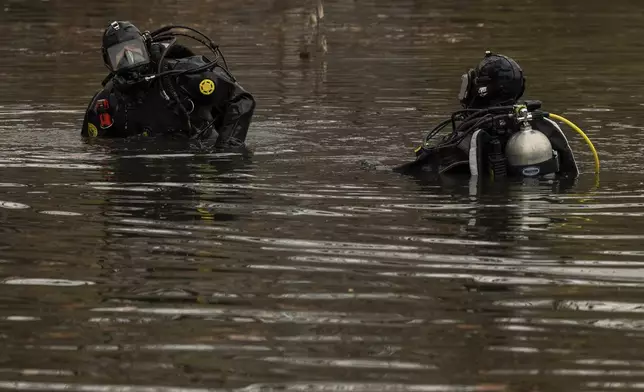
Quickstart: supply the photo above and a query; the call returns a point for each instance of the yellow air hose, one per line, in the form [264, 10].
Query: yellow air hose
[579, 131]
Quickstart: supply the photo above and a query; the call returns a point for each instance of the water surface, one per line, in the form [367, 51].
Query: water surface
[134, 266]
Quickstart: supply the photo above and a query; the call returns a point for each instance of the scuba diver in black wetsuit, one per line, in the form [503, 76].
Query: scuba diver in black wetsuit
[494, 136]
[159, 87]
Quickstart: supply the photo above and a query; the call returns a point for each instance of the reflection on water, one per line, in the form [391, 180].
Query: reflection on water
[136, 266]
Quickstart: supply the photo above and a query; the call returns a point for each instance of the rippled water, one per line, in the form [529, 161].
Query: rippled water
[127, 266]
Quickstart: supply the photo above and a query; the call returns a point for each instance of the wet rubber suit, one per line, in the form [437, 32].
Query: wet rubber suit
[479, 144]
[129, 104]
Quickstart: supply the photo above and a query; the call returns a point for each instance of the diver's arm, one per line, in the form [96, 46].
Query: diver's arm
[237, 116]
[92, 121]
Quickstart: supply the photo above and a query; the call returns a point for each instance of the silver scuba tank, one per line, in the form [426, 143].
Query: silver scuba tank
[528, 149]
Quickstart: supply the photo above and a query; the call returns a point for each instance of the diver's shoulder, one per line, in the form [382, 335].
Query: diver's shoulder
[545, 125]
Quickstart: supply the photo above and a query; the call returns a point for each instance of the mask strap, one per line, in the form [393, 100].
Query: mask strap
[465, 87]
[467, 94]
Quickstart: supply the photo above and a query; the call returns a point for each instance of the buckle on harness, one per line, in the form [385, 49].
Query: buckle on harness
[102, 108]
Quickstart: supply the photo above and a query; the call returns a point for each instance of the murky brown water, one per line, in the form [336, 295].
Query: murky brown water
[133, 267]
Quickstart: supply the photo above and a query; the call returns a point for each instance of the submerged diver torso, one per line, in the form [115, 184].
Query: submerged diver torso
[496, 151]
[494, 136]
[192, 97]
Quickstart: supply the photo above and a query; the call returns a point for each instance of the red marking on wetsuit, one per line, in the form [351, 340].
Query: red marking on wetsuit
[102, 108]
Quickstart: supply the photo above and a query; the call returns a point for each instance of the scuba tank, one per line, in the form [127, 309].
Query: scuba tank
[530, 153]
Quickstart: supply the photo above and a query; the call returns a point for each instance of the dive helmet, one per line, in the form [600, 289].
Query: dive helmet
[124, 47]
[497, 80]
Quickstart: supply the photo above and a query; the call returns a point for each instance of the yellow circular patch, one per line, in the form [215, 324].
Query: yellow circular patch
[207, 87]
[91, 130]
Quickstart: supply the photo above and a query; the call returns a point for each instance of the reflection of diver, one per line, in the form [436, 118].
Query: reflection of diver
[161, 209]
[159, 87]
[499, 211]
[494, 136]
[505, 225]
[161, 183]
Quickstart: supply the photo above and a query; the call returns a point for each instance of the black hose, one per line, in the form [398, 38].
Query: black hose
[214, 49]
[456, 138]
[209, 44]
[170, 27]
[173, 92]
[470, 122]
[165, 34]
[200, 133]
[436, 129]
[160, 65]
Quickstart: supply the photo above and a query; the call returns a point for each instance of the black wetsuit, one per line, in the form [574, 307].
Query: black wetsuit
[123, 110]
